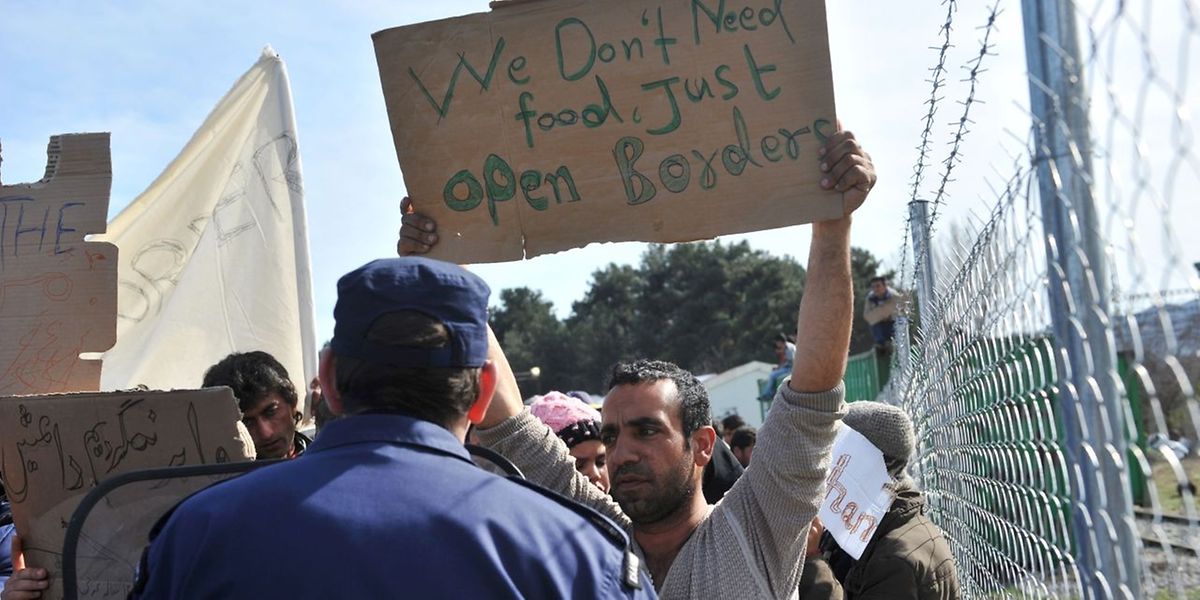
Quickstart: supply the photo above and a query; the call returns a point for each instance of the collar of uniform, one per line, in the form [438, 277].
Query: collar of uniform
[387, 428]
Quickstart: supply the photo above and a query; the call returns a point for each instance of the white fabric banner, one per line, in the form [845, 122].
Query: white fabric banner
[214, 254]
[858, 491]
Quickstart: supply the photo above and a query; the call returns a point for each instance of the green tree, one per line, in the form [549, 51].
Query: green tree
[602, 328]
[706, 306]
[531, 335]
[713, 306]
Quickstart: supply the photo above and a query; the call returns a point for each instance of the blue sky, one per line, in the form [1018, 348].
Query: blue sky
[149, 72]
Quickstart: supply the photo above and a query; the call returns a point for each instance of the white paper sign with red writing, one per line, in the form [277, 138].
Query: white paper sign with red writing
[858, 492]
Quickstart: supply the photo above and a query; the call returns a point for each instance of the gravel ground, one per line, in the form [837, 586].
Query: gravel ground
[1175, 575]
[1179, 578]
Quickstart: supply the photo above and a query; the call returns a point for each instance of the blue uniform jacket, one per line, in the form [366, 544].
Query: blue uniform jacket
[381, 506]
[6, 566]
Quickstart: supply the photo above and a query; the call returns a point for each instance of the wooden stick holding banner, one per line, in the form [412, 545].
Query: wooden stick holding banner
[550, 124]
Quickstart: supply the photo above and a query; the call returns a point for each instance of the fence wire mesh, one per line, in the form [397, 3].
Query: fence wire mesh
[1051, 357]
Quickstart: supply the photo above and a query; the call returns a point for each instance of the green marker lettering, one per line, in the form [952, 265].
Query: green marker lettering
[558, 48]
[638, 188]
[757, 71]
[474, 192]
[676, 117]
[531, 180]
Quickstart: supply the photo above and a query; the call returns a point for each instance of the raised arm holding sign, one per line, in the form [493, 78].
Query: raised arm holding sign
[658, 439]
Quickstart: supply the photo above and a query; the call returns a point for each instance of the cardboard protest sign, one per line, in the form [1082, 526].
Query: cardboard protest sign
[858, 491]
[549, 124]
[58, 294]
[55, 448]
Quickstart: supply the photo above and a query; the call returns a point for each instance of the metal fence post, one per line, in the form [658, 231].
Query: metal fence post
[918, 218]
[1090, 407]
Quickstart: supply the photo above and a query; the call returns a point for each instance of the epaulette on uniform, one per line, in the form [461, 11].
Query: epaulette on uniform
[611, 531]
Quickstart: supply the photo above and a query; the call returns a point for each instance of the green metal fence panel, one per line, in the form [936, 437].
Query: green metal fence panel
[866, 374]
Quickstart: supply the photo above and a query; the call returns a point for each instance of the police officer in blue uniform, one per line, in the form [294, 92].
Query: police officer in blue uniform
[386, 503]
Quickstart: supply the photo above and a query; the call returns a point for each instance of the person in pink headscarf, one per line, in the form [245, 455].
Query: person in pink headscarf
[578, 425]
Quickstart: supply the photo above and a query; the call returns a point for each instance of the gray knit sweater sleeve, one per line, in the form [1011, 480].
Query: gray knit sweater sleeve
[752, 544]
[545, 460]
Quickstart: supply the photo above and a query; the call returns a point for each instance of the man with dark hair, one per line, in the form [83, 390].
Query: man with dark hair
[750, 544]
[386, 502]
[880, 311]
[730, 424]
[742, 444]
[267, 399]
[785, 353]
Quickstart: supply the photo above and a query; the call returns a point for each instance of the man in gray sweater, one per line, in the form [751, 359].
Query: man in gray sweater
[752, 543]
[657, 431]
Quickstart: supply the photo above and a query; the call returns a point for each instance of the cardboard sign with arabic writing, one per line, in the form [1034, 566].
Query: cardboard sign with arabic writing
[58, 294]
[54, 449]
[550, 124]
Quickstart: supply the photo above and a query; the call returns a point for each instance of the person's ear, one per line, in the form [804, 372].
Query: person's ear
[487, 389]
[704, 440]
[327, 374]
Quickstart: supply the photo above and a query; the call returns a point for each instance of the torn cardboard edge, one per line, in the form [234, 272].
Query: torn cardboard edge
[57, 290]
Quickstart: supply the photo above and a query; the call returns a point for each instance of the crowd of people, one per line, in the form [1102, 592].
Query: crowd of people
[640, 499]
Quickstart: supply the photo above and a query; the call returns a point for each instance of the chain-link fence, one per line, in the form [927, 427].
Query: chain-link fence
[1050, 362]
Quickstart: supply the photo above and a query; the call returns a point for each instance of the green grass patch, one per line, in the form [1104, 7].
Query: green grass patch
[1168, 595]
[1168, 486]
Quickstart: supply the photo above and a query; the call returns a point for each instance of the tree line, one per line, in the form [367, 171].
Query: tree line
[706, 306]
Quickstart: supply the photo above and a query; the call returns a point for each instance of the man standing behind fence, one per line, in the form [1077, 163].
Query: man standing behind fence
[880, 311]
[656, 425]
[908, 557]
[386, 502]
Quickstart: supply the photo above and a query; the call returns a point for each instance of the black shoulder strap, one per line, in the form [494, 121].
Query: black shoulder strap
[496, 459]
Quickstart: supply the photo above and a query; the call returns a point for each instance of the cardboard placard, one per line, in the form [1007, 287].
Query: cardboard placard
[58, 294]
[55, 448]
[549, 124]
[858, 491]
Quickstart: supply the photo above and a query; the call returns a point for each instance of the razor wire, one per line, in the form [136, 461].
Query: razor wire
[1053, 390]
[937, 81]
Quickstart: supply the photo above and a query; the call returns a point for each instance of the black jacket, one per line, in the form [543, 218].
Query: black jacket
[720, 473]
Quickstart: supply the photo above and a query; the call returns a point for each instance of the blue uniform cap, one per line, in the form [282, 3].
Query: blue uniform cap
[446, 292]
